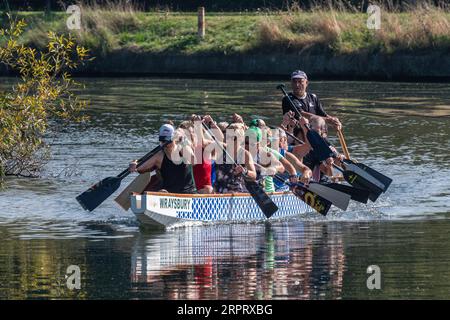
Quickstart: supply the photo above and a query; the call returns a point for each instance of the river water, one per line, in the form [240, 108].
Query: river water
[401, 129]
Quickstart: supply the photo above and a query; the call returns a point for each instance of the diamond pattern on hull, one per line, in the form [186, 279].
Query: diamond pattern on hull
[241, 208]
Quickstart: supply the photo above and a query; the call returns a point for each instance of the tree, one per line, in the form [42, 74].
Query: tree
[44, 92]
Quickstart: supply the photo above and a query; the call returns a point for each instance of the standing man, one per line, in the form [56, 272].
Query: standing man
[307, 103]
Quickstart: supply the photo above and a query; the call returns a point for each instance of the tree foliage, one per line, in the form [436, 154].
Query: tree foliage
[43, 92]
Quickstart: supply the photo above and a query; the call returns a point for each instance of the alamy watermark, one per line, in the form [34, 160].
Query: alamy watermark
[74, 21]
[374, 19]
[73, 277]
[374, 280]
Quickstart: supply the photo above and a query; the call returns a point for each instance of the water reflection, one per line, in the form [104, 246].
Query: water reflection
[236, 261]
[281, 260]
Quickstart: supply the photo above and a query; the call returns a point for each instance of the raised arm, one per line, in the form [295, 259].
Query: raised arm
[216, 130]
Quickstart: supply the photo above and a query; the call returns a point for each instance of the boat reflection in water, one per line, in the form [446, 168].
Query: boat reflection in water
[299, 260]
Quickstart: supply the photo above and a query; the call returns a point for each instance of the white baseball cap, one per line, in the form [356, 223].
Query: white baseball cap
[166, 132]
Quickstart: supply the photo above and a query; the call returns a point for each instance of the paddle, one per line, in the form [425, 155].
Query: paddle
[337, 198]
[320, 196]
[358, 178]
[377, 175]
[318, 144]
[138, 185]
[357, 194]
[99, 192]
[361, 180]
[343, 144]
[386, 181]
[312, 199]
[268, 207]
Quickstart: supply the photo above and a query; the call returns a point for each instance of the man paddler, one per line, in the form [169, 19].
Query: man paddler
[307, 103]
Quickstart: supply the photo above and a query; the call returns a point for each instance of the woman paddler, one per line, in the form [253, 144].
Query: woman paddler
[230, 173]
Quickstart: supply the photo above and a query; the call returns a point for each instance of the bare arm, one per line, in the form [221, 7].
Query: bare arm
[307, 115]
[298, 165]
[301, 150]
[286, 165]
[214, 128]
[334, 121]
[250, 166]
[149, 165]
[272, 166]
[306, 172]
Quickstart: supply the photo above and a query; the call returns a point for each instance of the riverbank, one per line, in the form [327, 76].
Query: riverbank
[326, 44]
[405, 67]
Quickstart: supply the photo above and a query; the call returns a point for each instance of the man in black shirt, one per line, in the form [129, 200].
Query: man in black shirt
[307, 103]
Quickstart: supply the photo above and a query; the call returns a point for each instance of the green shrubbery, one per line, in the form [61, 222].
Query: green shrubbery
[43, 92]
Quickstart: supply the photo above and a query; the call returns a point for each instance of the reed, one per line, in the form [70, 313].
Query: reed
[341, 30]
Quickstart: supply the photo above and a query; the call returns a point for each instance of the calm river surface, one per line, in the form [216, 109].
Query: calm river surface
[401, 129]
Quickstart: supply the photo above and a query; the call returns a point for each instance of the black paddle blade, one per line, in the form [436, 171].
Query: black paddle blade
[95, 195]
[359, 182]
[312, 199]
[319, 146]
[266, 204]
[357, 194]
[377, 175]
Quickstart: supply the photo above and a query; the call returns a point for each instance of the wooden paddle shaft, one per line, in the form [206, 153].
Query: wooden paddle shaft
[343, 144]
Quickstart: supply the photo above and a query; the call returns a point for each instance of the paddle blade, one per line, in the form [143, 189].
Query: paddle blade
[356, 194]
[319, 146]
[361, 183]
[95, 195]
[312, 199]
[138, 185]
[377, 175]
[266, 204]
[337, 198]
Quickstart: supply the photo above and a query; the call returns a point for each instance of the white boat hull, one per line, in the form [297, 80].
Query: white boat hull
[164, 209]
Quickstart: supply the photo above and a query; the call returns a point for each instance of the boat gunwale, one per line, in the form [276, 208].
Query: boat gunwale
[200, 195]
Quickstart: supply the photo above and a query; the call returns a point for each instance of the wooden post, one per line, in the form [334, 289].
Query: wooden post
[201, 22]
[48, 7]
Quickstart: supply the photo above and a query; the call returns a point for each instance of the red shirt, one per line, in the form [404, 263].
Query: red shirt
[202, 174]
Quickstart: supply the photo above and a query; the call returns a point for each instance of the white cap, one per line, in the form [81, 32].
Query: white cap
[299, 74]
[166, 132]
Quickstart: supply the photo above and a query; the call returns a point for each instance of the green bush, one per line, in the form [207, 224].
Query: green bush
[43, 92]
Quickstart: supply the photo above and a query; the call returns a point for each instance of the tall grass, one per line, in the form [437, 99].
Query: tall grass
[100, 25]
[341, 30]
[332, 28]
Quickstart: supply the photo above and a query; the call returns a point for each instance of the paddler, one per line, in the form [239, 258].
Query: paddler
[306, 173]
[173, 162]
[268, 160]
[307, 103]
[326, 167]
[229, 175]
